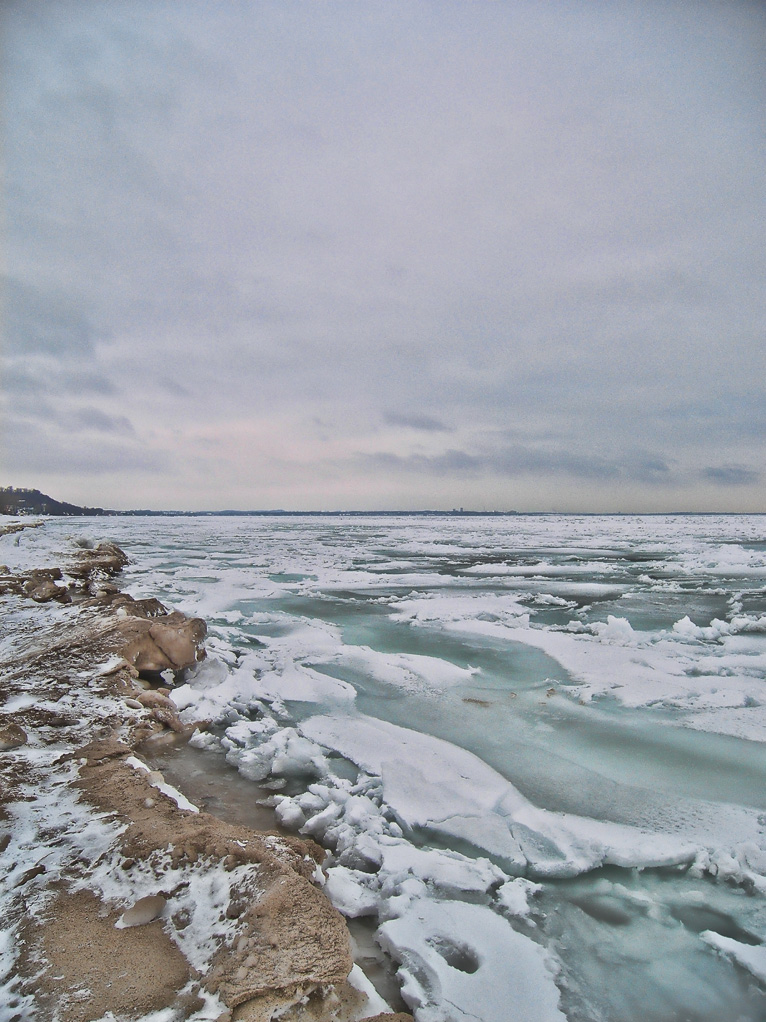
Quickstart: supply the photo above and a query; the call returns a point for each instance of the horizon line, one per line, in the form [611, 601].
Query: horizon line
[95, 512]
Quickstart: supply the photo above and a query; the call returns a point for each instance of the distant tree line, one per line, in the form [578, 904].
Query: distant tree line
[20, 501]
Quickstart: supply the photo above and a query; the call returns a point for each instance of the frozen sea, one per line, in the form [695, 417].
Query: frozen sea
[534, 745]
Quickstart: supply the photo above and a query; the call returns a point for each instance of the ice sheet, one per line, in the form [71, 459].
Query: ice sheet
[431, 784]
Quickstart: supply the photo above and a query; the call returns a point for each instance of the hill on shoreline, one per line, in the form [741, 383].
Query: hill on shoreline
[20, 501]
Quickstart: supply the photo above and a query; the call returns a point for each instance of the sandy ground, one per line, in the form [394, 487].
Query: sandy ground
[119, 903]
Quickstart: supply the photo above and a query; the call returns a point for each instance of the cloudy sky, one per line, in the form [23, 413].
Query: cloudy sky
[385, 254]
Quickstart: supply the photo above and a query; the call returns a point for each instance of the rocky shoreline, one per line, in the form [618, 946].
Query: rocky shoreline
[122, 900]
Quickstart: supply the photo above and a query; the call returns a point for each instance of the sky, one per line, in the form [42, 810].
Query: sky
[375, 255]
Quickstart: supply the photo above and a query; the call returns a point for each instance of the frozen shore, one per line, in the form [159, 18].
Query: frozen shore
[118, 898]
[531, 750]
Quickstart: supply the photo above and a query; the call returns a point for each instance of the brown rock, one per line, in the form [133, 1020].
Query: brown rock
[292, 948]
[180, 638]
[11, 583]
[140, 608]
[171, 643]
[12, 736]
[8, 530]
[30, 874]
[119, 665]
[46, 590]
[291, 942]
[153, 698]
[296, 937]
[170, 719]
[41, 574]
[107, 559]
[102, 751]
[40, 585]
[60, 720]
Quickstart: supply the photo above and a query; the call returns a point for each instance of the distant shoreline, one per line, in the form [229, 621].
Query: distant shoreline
[23, 501]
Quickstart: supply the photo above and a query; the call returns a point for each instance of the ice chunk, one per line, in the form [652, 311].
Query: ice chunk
[424, 778]
[375, 1003]
[143, 911]
[449, 872]
[296, 683]
[514, 896]
[455, 956]
[617, 630]
[686, 630]
[285, 753]
[290, 814]
[749, 957]
[462, 610]
[564, 845]
[489, 833]
[350, 893]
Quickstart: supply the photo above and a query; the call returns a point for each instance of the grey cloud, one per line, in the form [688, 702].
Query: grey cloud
[647, 469]
[422, 422]
[87, 382]
[728, 414]
[173, 387]
[731, 475]
[650, 470]
[68, 417]
[101, 422]
[39, 320]
[453, 462]
[518, 461]
[49, 451]
[656, 283]
[29, 379]
[33, 409]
